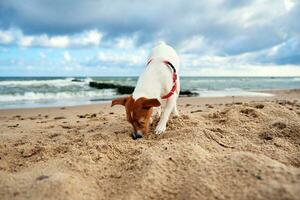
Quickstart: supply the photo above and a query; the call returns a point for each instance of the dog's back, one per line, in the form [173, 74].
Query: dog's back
[157, 79]
[162, 51]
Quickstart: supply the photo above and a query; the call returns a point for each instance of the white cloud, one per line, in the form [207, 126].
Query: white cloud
[289, 4]
[239, 65]
[233, 66]
[6, 37]
[92, 37]
[84, 39]
[196, 44]
[54, 42]
[26, 41]
[126, 58]
[125, 42]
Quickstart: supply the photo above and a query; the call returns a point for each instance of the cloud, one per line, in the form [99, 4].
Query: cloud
[287, 52]
[224, 36]
[234, 66]
[83, 39]
[125, 59]
[57, 41]
[5, 37]
[289, 4]
[228, 25]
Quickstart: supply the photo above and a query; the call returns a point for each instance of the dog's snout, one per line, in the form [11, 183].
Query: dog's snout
[136, 135]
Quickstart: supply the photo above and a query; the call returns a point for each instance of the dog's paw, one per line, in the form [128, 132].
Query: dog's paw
[176, 114]
[160, 128]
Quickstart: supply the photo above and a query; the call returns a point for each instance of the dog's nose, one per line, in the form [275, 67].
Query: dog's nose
[136, 135]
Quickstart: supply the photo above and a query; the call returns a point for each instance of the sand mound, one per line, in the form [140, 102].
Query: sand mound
[237, 151]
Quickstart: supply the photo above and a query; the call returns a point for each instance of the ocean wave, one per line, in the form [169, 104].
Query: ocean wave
[296, 79]
[52, 83]
[33, 96]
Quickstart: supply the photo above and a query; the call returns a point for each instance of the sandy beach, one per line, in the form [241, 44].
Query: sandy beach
[219, 148]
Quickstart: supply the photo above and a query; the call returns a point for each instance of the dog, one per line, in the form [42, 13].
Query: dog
[159, 81]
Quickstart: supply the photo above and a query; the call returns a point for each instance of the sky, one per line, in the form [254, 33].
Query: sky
[114, 38]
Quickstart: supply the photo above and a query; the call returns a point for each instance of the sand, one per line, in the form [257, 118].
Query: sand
[219, 148]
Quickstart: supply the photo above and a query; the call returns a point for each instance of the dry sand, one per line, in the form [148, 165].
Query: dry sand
[249, 149]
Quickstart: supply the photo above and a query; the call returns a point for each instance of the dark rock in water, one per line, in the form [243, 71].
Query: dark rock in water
[100, 99]
[121, 89]
[102, 85]
[187, 93]
[76, 80]
[124, 89]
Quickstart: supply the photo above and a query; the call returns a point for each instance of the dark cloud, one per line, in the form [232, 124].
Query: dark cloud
[236, 3]
[253, 40]
[230, 27]
[113, 17]
[285, 53]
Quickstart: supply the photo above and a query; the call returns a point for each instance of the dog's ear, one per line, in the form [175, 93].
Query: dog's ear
[119, 101]
[149, 103]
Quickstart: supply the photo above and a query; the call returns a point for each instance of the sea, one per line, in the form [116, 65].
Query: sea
[29, 92]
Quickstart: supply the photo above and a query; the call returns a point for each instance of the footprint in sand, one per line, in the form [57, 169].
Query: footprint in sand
[66, 127]
[249, 112]
[42, 177]
[87, 115]
[58, 118]
[53, 135]
[259, 106]
[279, 125]
[13, 126]
[266, 136]
[195, 111]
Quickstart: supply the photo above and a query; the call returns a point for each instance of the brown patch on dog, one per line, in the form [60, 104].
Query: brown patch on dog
[138, 111]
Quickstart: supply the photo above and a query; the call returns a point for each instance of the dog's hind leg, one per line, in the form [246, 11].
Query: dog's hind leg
[175, 111]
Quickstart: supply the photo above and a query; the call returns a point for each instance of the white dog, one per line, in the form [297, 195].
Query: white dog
[159, 81]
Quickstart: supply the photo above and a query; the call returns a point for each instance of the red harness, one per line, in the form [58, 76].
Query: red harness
[174, 87]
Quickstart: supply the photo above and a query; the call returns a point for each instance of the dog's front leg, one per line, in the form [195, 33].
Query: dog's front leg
[161, 126]
[158, 111]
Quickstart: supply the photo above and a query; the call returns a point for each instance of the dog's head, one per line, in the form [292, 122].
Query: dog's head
[138, 113]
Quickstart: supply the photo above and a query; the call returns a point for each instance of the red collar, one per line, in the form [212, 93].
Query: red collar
[174, 87]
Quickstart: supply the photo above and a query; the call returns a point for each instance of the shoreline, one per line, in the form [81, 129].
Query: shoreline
[274, 92]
